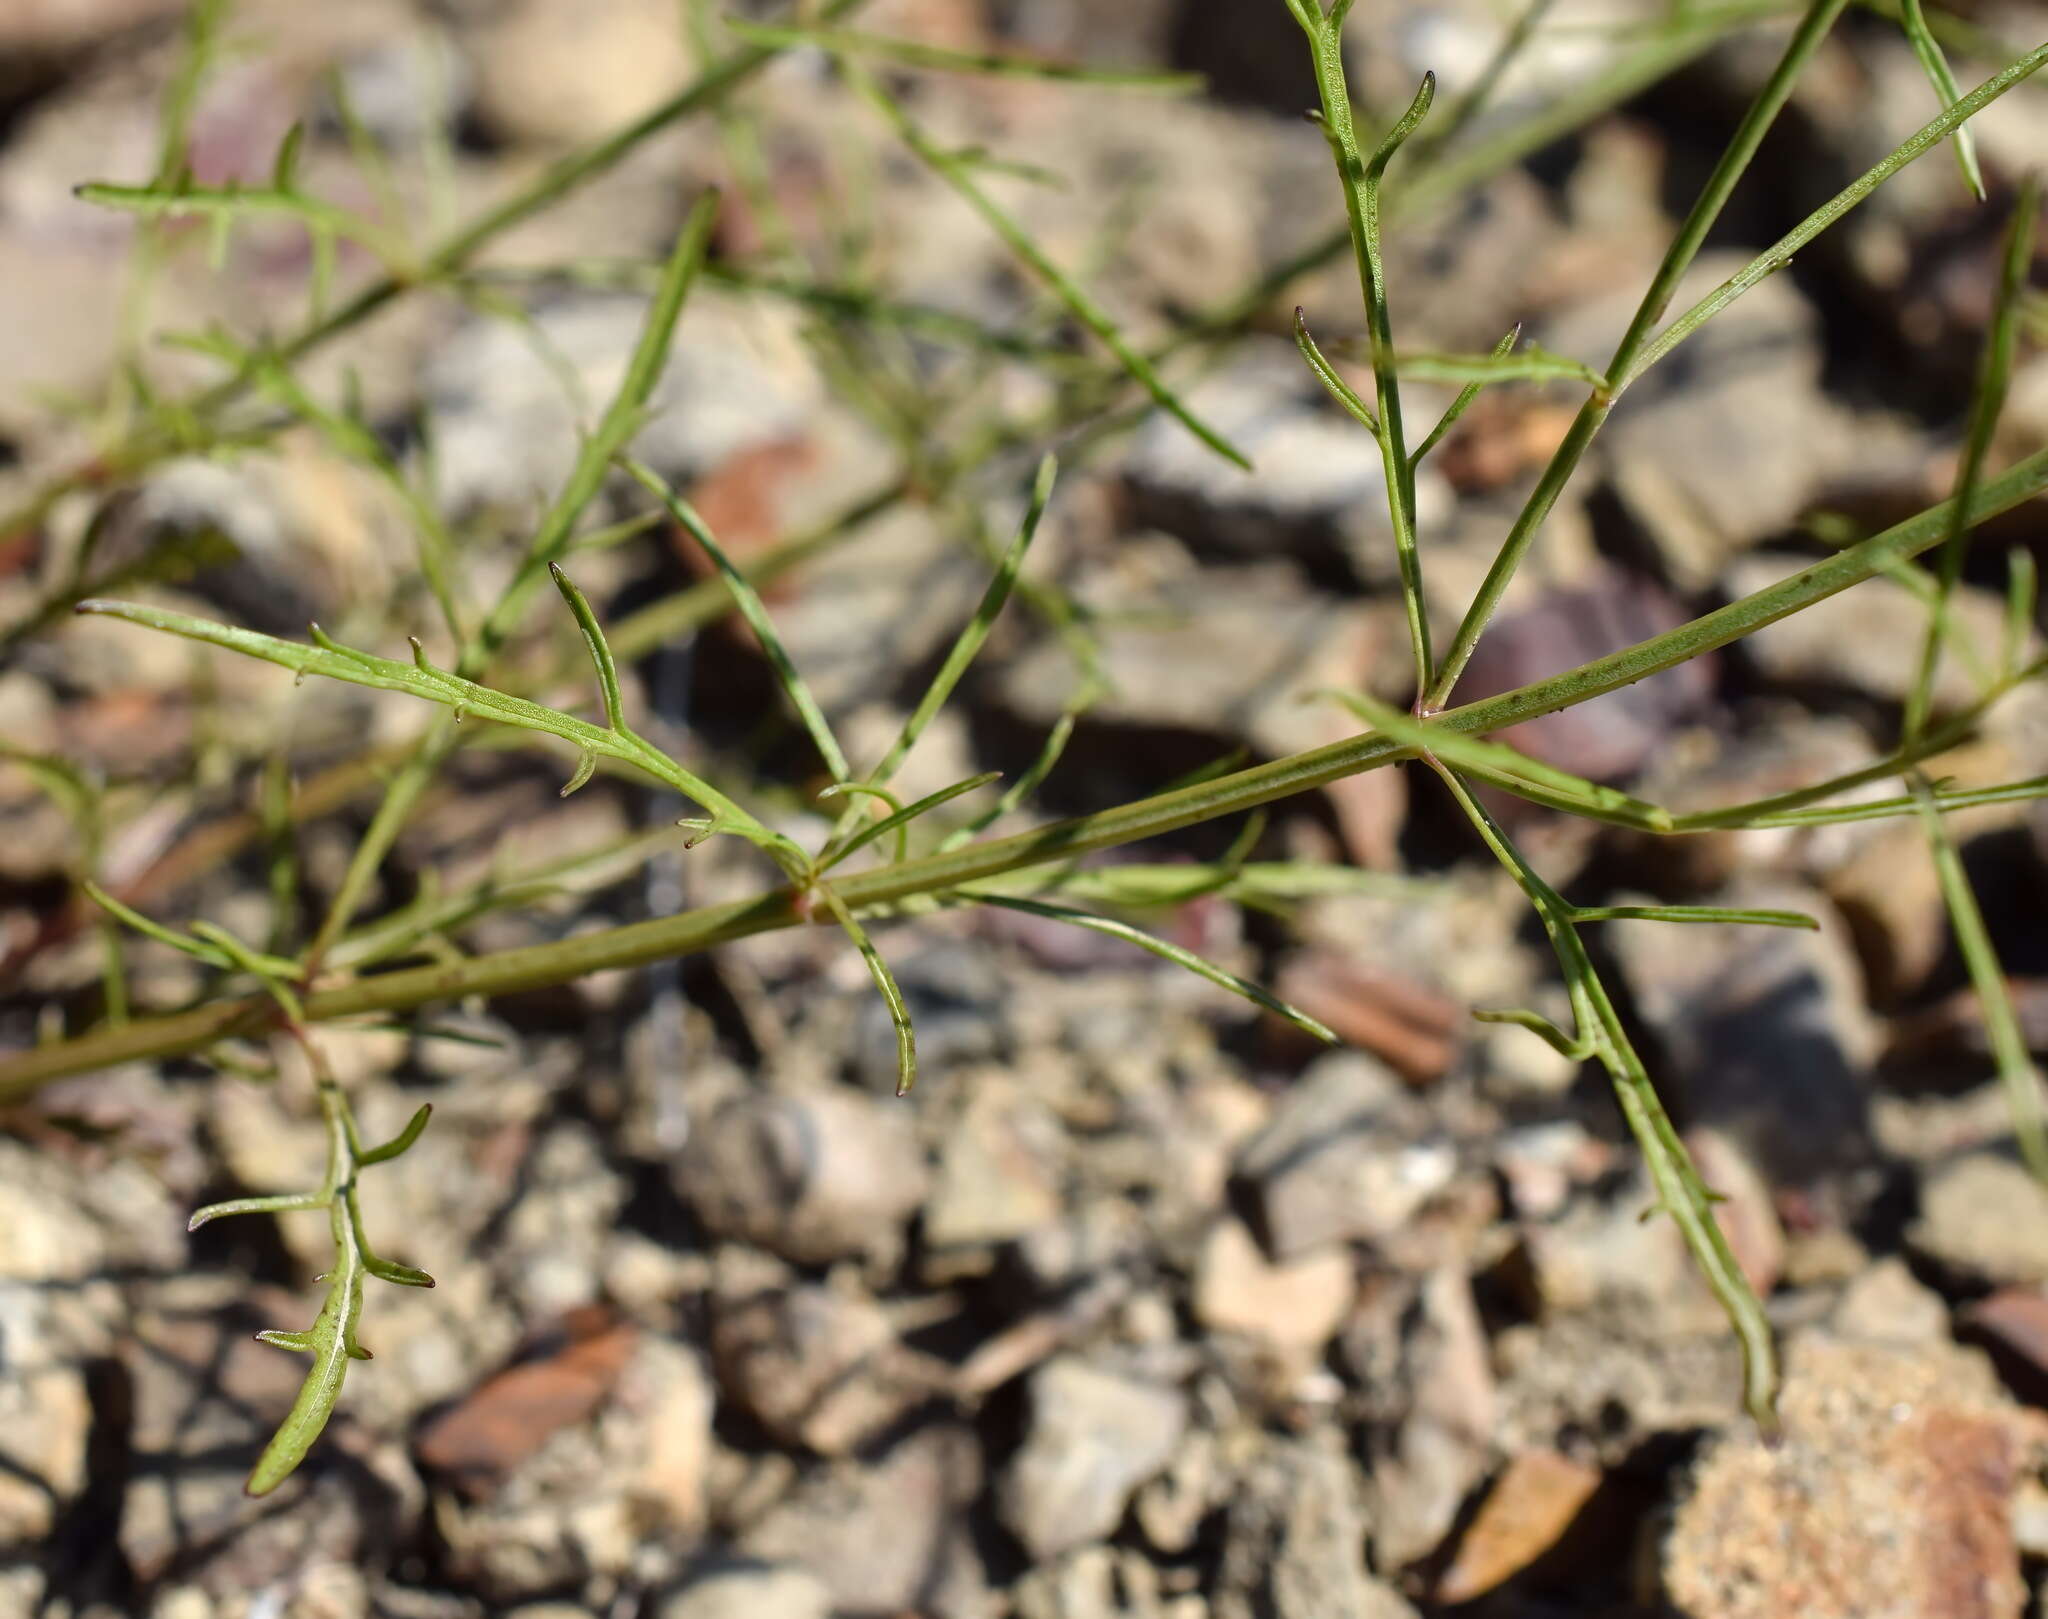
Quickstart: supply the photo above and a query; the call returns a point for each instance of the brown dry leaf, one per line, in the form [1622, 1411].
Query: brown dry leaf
[1534, 1501]
[1408, 1025]
[510, 1416]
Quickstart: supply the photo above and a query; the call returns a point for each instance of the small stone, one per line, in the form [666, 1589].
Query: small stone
[1170, 1508]
[1095, 1436]
[1889, 1497]
[888, 1534]
[546, 76]
[1888, 1304]
[1421, 1472]
[666, 1389]
[819, 1366]
[1605, 1251]
[2013, 1324]
[814, 1177]
[1984, 1217]
[45, 1419]
[750, 1593]
[1294, 1306]
[1332, 1166]
[1890, 895]
[1766, 1031]
[1619, 731]
[1526, 1512]
[1294, 1541]
[1318, 487]
[998, 1174]
[1543, 1164]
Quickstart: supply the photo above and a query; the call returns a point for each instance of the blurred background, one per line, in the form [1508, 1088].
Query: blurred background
[1141, 1304]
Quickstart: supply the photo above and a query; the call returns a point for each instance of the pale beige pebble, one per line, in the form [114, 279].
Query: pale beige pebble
[182, 1602]
[558, 75]
[329, 1591]
[45, 1418]
[750, 1593]
[1890, 1495]
[1982, 1215]
[1296, 1305]
[1887, 1304]
[666, 1388]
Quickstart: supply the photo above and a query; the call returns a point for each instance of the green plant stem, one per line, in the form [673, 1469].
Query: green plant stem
[1685, 245]
[1680, 1191]
[2016, 1070]
[1362, 183]
[559, 961]
[621, 420]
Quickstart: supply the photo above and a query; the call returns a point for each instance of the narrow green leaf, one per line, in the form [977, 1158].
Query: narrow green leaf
[2016, 1070]
[1337, 388]
[1693, 913]
[1935, 64]
[282, 1203]
[330, 1340]
[284, 169]
[1680, 1191]
[2022, 599]
[298, 1342]
[1994, 376]
[1773, 258]
[1572, 1048]
[1404, 126]
[754, 611]
[1531, 364]
[1470, 391]
[1635, 350]
[600, 652]
[1883, 809]
[420, 678]
[1506, 766]
[885, 985]
[969, 642]
[1200, 966]
[403, 1140]
[901, 819]
[1022, 788]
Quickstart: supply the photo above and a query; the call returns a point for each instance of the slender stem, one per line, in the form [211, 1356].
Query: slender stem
[1678, 258]
[562, 960]
[1680, 1191]
[1362, 184]
[2016, 1070]
[614, 431]
[1994, 373]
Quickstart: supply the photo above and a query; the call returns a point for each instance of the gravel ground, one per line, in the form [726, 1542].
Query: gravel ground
[1139, 1305]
